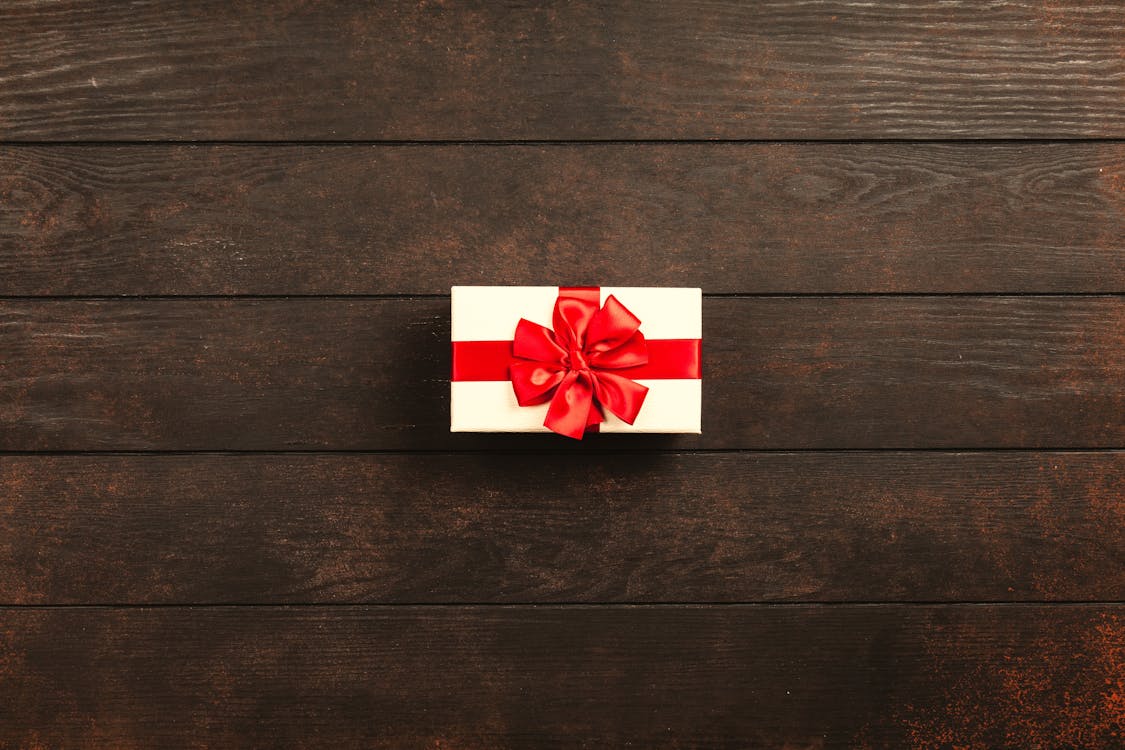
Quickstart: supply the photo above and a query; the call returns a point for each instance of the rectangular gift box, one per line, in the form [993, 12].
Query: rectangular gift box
[485, 320]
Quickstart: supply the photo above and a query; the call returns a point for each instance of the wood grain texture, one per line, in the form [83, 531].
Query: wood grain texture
[841, 372]
[361, 577]
[729, 218]
[802, 676]
[85, 70]
[291, 529]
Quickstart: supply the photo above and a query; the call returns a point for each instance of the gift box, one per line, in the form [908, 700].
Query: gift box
[576, 359]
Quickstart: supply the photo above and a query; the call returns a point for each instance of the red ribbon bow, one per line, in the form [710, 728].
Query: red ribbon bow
[570, 366]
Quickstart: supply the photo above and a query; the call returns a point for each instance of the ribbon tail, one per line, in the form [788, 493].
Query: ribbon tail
[620, 395]
[595, 416]
[569, 412]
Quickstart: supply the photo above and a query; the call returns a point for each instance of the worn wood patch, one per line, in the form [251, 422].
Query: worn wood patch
[730, 218]
[595, 69]
[561, 528]
[845, 372]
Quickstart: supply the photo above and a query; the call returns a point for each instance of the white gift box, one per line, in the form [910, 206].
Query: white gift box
[485, 319]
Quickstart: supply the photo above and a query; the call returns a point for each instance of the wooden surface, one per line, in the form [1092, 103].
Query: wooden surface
[612, 527]
[372, 374]
[594, 69]
[231, 512]
[1018, 676]
[729, 218]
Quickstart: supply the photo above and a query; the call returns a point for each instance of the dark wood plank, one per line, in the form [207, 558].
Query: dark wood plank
[801, 677]
[214, 69]
[842, 372]
[561, 528]
[729, 218]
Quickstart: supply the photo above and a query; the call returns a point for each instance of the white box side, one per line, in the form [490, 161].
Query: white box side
[665, 312]
[491, 406]
[671, 406]
[491, 313]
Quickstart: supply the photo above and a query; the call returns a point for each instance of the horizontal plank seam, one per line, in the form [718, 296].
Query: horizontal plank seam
[546, 451]
[984, 141]
[427, 296]
[581, 605]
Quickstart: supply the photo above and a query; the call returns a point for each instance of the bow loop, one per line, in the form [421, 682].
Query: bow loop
[536, 342]
[570, 365]
[612, 326]
[571, 318]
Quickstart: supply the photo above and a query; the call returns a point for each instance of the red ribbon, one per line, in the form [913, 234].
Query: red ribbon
[571, 365]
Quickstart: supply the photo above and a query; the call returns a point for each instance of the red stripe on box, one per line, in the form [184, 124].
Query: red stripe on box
[592, 293]
[668, 359]
[481, 360]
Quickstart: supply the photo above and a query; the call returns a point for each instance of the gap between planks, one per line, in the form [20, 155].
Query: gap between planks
[549, 451]
[566, 142]
[361, 297]
[796, 604]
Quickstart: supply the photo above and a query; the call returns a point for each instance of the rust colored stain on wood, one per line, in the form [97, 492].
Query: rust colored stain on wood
[1067, 689]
